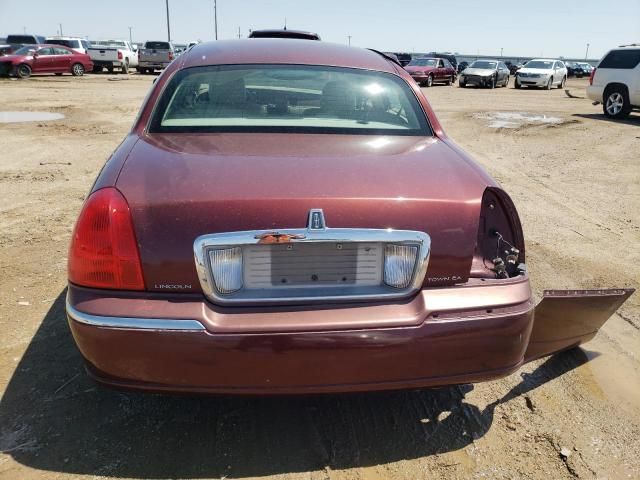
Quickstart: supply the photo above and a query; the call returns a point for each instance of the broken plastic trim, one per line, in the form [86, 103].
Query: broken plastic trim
[567, 318]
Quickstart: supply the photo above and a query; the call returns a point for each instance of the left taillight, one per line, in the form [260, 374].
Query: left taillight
[119, 55]
[104, 252]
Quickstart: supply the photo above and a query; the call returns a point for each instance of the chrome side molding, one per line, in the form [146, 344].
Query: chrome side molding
[132, 323]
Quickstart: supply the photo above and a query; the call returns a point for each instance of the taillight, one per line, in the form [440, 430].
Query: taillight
[500, 243]
[170, 56]
[104, 251]
[593, 72]
[119, 55]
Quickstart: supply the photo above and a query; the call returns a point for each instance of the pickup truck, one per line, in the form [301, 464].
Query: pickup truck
[112, 54]
[16, 42]
[155, 55]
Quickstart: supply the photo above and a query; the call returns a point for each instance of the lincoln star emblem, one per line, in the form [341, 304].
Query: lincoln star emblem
[316, 220]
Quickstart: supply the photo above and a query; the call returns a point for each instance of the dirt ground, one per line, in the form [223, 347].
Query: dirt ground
[576, 183]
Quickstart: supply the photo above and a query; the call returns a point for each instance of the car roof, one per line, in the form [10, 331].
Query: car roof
[284, 51]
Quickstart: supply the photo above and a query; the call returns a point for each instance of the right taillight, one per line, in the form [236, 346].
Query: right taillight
[104, 251]
[593, 72]
[119, 55]
[500, 242]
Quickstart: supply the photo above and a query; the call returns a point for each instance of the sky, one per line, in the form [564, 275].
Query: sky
[550, 28]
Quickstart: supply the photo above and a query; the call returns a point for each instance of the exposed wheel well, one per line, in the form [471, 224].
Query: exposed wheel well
[621, 86]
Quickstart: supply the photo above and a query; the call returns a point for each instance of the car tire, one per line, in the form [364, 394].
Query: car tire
[562, 83]
[125, 66]
[516, 84]
[77, 70]
[23, 70]
[549, 84]
[616, 103]
[429, 82]
[110, 70]
[97, 69]
[462, 84]
[450, 81]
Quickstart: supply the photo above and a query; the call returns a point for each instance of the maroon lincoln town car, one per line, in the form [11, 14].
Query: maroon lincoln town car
[288, 216]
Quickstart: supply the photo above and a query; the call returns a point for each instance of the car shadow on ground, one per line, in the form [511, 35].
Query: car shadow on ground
[633, 119]
[53, 418]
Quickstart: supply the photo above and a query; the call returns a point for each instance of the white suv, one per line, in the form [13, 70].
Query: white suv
[615, 83]
[542, 72]
[80, 45]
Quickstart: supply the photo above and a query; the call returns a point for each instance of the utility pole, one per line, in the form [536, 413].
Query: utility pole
[501, 48]
[239, 33]
[130, 36]
[61, 30]
[349, 37]
[586, 55]
[168, 27]
[215, 17]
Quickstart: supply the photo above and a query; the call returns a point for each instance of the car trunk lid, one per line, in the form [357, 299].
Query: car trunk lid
[181, 186]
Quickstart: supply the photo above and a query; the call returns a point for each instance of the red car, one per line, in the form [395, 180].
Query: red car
[45, 59]
[427, 71]
[288, 216]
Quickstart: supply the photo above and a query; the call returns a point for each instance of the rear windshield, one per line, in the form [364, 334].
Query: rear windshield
[66, 43]
[621, 59]
[288, 98]
[108, 43]
[423, 62]
[157, 45]
[25, 51]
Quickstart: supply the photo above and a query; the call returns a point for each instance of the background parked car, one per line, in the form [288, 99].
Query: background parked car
[17, 41]
[155, 55]
[485, 73]
[575, 69]
[542, 72]
[615, 83]
[448, 56]
[79, 45]
[426, 71]
[513, 67]
[587, 67]
[45, 59]
[404, 58]
[111, 54]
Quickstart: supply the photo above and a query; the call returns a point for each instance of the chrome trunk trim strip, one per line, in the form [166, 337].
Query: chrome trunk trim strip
[204, 243]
